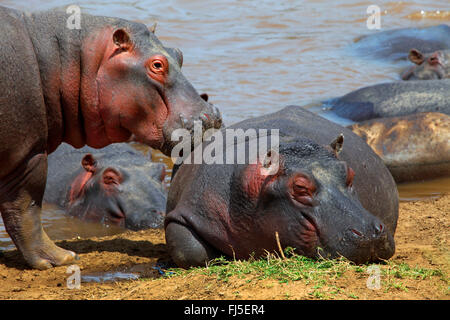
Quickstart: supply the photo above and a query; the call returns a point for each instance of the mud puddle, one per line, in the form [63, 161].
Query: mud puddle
[134, 272]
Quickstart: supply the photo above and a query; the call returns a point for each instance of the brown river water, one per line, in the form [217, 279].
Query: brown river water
[256, 56]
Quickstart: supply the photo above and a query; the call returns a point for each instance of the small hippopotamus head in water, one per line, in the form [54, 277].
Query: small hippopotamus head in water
[119, 192]
[312, 203]
[435, 65]
[142, 93]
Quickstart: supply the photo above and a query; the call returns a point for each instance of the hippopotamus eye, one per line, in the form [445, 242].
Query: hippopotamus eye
[111, 177]
[350, 176]
[157, 67]
[303, 190]
[157, 64]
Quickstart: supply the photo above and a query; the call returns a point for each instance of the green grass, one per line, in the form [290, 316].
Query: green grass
[294, 268]
[317, 273]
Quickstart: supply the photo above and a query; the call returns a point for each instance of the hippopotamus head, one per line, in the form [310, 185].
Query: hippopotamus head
[429, 66]
[142, 92]
[311, 203]
[118, 191]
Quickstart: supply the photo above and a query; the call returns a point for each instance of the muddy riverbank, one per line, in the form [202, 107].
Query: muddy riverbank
[422, 248]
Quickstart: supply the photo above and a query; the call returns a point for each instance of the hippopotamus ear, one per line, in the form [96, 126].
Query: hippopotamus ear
[204, 96]
[416, 56]
[152, 29]
[122, 40]
[271, 163]
[89, 163]
[336, 144]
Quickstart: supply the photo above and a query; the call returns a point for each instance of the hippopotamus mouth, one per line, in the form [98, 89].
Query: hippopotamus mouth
[210, 118]
[362, 251]
[116, 216]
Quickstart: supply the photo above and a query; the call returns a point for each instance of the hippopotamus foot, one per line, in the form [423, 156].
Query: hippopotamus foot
[186, 248]
[43, 253]
[20, 204]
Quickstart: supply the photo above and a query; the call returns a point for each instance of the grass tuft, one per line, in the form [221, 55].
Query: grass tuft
[320, 273]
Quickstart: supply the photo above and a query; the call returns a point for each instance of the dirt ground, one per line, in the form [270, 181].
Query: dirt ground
[421, 238]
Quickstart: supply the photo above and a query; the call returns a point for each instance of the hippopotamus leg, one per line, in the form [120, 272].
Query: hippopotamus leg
[21, 211]
[186, 247]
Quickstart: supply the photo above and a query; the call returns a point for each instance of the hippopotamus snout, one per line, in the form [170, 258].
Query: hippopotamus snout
[193, 118]
[370, 243]
[152, 218]
[210, 117]
[357, 235]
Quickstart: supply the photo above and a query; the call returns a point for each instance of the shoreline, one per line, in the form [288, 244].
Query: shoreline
[421, 237]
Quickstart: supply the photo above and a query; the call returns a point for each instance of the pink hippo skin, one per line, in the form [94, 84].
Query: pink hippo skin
[110, 81]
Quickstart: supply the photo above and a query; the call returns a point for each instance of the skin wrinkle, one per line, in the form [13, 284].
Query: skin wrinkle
[102, 124]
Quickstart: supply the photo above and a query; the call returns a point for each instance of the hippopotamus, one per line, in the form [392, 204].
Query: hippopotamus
[435, 65]
[115, 185]
[109, 81]
[395, 44]
[330, 196]
[392, 99]
[413, 147]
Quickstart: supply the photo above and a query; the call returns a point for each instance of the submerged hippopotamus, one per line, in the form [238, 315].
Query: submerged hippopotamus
[413, 147]
[395, 44]
[435, 65]
[109, 81]
[329, 196]
[115, 185]
[393, 99]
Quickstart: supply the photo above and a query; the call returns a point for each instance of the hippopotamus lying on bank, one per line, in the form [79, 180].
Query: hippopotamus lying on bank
[395, 44]
[109, 81]
[115, 185]
[318, 202]
[393, 99]
[413, 147]
[435, 65]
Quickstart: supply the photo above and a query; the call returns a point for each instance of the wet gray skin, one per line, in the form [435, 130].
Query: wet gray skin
[393, 99]
[320, 203]
[395, 44]
[332, 222]
[124, 189]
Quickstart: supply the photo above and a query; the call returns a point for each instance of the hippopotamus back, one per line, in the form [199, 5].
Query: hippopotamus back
[395, 44]
[393, 99]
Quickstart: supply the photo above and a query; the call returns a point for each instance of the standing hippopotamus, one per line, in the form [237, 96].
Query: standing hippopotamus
[345, 205]
[413, 147]
[109, 81]
[393, 99]
[435, 65]
[116, 185]
[395, 44]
